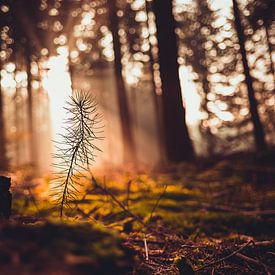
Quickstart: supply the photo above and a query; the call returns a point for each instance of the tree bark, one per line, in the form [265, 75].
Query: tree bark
[156, 97]
[3, 158]
[178, 145]
[27, 24]
[129, 154]
[258, 131]
[32, 141]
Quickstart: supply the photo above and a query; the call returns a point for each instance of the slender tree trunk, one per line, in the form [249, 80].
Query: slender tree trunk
[156, 97]
[17, 120]
[177, 141]
[269, 45]
[32, 141]
[3, 158]
[129, 154]
[258, 128]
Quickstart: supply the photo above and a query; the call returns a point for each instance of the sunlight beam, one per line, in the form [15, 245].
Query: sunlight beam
[57, 82]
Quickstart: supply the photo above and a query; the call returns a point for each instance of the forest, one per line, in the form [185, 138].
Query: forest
[137, 137]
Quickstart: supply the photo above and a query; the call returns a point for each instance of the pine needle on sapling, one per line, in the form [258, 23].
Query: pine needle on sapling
[75, 153]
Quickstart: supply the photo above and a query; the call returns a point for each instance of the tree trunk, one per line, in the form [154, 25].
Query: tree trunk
[156, 97]
[177, 141]
[257, 125]
[269, 45]
[32, 141]
[129, 154]
[3, 158]
[17, 121]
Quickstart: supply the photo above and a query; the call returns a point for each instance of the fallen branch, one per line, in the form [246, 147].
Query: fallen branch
[264, 243]
[248, 259]
[224, 258]
[157, 203]
[128, 192]
[118, 202]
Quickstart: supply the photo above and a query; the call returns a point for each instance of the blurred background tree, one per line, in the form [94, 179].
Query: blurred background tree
[174, 79]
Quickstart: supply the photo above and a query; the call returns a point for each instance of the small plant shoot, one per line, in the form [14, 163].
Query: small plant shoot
[76, 151]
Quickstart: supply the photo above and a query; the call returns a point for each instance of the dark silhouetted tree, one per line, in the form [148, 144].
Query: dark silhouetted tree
[177, 141]
[257, 125]
[3, 158]
[263, 11]
[32, 141]
[195, 30]
[127, 134]
[3, 45]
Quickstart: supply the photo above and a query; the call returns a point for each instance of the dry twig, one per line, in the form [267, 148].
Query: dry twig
[224, 258]
[157, 203]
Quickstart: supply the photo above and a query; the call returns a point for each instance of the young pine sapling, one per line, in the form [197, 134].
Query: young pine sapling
[76, 151]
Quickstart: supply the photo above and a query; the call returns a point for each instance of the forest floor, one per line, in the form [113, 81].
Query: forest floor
[211, 218]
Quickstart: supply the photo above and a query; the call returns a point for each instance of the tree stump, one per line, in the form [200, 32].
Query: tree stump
[5, 198]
